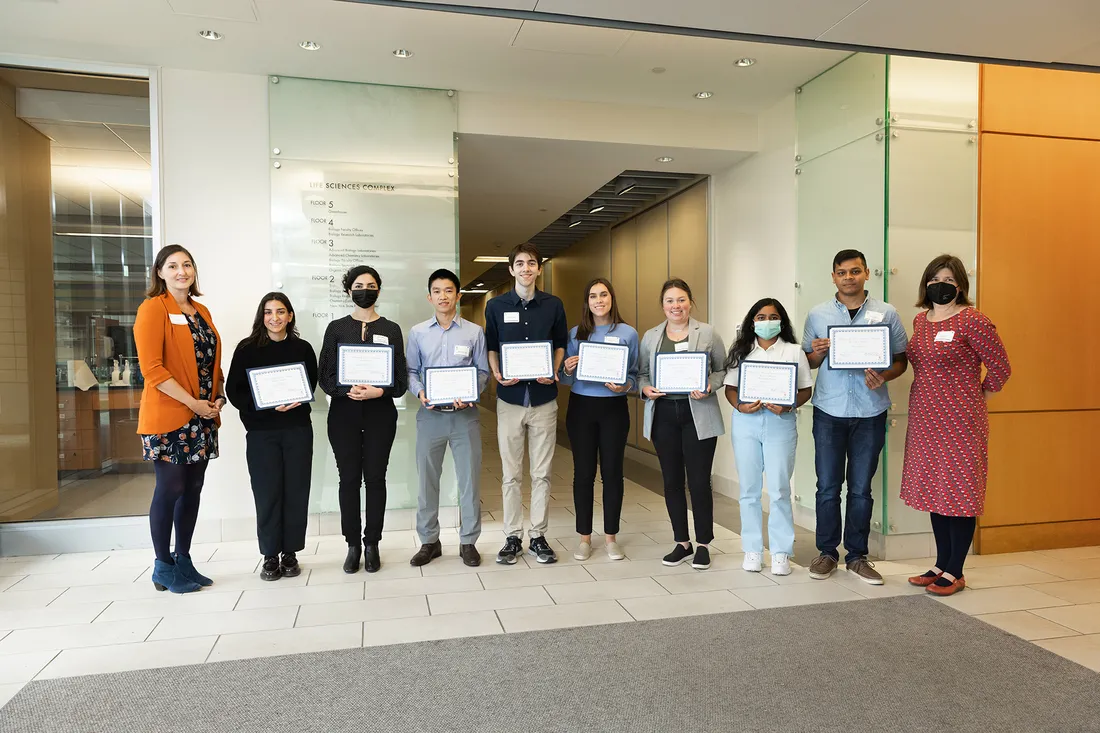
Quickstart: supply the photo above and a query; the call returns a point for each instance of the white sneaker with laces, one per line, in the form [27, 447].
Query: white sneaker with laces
[754, 562]
[781, 564]
[584, 551]
[614, 552]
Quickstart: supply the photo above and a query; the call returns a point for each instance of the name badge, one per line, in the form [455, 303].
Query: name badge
[511, 317]
[380, 339]
[682, 346]
[611, 339]
[461, 350]
[177, 319]
[945, 336]
[873, 317]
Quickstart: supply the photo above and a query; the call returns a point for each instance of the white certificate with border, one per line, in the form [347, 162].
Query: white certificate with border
[527, 360]
[859, 347]
[284, 384]
[369, 364]
[602, 362]
[770, 382]
[444, 385]
[681, 372]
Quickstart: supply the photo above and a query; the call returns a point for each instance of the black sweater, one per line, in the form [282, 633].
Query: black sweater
[288, 351]
[347, 330]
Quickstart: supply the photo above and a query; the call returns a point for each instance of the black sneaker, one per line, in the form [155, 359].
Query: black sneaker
[702, 558]
[271, 569]
[508, 554]
[678, 555]
[542, 551]
[290, 566]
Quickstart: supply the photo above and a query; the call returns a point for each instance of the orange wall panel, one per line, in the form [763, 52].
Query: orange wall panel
[1044, 102]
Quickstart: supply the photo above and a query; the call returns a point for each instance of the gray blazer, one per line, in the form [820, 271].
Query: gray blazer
[705, 413]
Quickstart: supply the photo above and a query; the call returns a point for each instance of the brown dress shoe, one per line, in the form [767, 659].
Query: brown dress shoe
[923, 581]
[949, 590]
[470, 556]
[427, 553]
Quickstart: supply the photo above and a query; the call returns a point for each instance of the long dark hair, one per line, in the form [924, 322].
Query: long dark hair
[157, 286]
[259, 336]
[588, 321]
[746, 339]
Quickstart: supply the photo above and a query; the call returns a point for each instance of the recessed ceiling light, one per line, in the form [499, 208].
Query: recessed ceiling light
[664, 159]
[211, 35]
[704, 95]
[473, 292]
[478, 285]
[310, 45]
[658, 69]
[403, 53]
[625, 186]
[575, 221]
[485, 258]
[596, 206]
[744, 62]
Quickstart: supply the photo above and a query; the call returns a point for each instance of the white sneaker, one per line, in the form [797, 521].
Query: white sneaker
[584, 551]
[614, 552]
[781, 564]
[754, 562]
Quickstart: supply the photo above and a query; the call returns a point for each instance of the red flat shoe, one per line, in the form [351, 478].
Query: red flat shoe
[949, 590]
[923, 581]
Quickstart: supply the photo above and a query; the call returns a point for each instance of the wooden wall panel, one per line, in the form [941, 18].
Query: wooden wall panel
[1038, 263]
[687, 244]
[1045, 102]
[1026, 537]
[624, 269]
[652, 265]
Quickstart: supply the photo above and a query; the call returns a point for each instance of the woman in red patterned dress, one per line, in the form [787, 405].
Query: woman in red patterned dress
[947, 440]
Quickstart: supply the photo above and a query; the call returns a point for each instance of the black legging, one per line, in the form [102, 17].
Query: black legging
[361, 433]
[953, 538]
[175, 501]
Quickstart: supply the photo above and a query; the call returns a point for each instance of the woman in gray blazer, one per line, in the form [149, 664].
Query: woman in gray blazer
[684, 428]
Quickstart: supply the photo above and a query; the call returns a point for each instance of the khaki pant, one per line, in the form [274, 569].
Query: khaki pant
[539, 425]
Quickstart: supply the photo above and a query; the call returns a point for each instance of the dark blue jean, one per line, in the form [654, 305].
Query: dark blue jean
[846, 449]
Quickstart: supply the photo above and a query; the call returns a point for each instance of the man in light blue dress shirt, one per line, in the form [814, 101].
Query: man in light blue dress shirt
[447, 340]
[849, 418]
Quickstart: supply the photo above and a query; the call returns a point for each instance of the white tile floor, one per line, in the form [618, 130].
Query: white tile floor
[90, 613]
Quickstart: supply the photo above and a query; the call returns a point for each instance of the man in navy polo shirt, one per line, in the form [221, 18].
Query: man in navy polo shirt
[527, 409]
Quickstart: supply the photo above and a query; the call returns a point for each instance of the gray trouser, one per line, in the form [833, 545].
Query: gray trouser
[462, 431]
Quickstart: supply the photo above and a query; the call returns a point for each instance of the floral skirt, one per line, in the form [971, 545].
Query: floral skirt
[196, 441]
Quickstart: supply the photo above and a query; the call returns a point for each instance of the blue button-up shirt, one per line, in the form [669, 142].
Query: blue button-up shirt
[510, 318]
[619, 333]
[843, 392]
[460, 344]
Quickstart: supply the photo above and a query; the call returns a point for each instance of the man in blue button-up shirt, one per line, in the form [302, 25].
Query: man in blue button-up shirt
[849, 417]
[528, 408]
[447, 340]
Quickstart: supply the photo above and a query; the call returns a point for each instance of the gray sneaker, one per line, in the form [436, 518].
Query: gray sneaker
[865, 570]
[822, 567]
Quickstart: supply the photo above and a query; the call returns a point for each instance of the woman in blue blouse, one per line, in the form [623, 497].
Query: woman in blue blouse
[598, 419]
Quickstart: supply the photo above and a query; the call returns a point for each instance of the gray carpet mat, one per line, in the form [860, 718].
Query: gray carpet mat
[896, 664]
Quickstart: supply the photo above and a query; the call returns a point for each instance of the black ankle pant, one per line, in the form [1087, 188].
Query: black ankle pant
[679, 449]
[598, 427]
[361, 434]
[953, 538]
[279, 464]
[175, 501]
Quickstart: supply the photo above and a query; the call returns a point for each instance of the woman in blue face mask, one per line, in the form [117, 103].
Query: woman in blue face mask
[765, 435]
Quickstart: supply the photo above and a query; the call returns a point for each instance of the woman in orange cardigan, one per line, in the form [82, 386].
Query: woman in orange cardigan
[180, 354]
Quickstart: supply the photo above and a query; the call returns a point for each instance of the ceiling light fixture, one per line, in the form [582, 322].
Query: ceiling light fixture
[485, 258]
[625, 186]
[658, 69]
[211, 35]
[704, 95]
[402, 53]
[478, 285]
[745, 62]
[473, 291]
[575, 221]
[596, 206]
[310, 45]
[665, 159]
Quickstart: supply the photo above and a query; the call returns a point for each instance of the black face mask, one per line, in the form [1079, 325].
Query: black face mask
[364, 298]
[942, 293]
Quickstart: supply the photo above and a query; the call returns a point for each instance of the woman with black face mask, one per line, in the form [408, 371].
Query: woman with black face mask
[362, 420]
[948, 435]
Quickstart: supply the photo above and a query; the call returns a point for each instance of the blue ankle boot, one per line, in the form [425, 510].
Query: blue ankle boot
[186, 568]
[168, 577]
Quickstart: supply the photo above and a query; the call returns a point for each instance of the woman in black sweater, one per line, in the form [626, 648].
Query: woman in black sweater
[279, 441]
[362, 420]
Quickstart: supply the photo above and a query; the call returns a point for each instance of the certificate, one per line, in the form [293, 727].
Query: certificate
[370, 364]
[526, 360]
[859, 347]
[602, 362]
[771, 382]
[444, 385]
[682, 372]
[279, 385]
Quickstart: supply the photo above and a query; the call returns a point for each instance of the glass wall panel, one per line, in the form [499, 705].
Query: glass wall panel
[843, 104]
[933, 94]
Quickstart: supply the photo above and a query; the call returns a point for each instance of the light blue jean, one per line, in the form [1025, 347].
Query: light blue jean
[764, 443]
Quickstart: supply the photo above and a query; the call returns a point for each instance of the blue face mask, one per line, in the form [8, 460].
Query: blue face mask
[767, 329]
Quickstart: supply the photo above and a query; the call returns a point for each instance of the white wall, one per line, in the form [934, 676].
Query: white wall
[753, 244]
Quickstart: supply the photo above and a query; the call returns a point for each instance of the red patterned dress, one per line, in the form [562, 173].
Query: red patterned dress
[947, 439]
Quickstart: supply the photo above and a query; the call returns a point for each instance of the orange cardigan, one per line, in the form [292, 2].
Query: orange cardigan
[166, 351]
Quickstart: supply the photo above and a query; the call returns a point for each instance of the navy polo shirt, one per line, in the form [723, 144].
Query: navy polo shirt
[540, 319]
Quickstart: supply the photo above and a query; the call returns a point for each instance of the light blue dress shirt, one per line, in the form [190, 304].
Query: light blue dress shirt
[843, 392]
[461, 344]
[618, 333]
